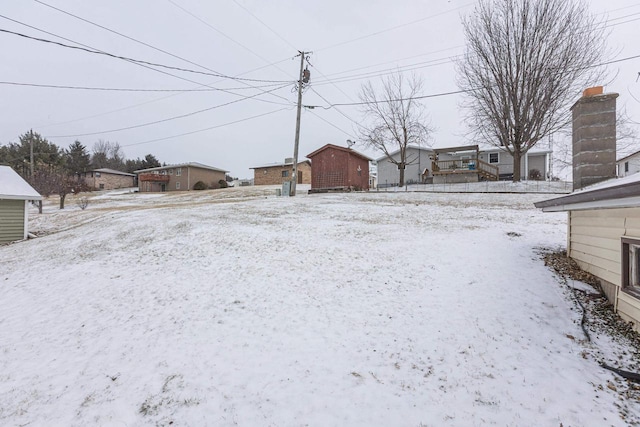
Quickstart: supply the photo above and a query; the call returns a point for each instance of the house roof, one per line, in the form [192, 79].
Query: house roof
[336, 147]
[622, 159]
[182, 165]
[413, 146]
[12, 186]
[112, 171]
[613, 193]
[279, 165]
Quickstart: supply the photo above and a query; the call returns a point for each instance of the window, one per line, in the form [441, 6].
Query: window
[626, 166]
[179, 172]
[285, 174]
[170, 171]
[631, 266]
[494, 157]
[163, 172]
[177, 185]
[97, 174]
[102, 186]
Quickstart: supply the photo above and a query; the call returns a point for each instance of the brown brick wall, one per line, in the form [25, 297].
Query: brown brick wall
[187, 179]
[108, 181]
[273, 175]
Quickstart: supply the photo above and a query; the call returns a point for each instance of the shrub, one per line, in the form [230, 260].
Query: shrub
[223, 183]
[535, 175]
[83, 202]
[199, 186]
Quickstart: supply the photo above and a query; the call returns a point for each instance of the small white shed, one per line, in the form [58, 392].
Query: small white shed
[603, 237]
[15, 193]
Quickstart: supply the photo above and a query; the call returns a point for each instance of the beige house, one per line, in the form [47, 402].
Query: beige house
[15, 194]
[277, 173]
[181, 177]
[603, 236]
[108, 179]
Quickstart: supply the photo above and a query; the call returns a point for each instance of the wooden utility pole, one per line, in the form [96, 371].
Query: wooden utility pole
[294, 174]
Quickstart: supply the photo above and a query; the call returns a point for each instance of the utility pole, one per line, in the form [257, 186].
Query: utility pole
[304, 78]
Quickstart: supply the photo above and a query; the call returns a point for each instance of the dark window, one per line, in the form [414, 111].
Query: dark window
[631, 266]
[102, 186]
[494, 158]
[285, 174]
[626, 166]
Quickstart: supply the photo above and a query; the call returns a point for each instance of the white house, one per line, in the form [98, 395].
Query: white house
[628, 165]
[15, 194]
[463, 163]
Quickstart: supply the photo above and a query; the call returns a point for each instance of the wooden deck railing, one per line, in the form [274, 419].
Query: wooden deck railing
[444, 167]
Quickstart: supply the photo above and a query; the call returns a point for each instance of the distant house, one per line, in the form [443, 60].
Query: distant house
[629, 164]
[181, 177]
[604, 238]
[467, 163]
[108, 179]
[338, 168]
[277, 173]
[15, 194]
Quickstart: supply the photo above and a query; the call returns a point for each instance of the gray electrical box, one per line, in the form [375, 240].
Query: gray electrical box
[286, 188]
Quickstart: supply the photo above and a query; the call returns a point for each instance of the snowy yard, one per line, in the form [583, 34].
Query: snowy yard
[235, 307]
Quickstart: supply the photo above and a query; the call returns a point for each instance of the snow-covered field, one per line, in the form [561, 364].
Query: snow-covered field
[236, 307]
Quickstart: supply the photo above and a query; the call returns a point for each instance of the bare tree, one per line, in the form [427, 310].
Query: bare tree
[526, 61]
[397, 118]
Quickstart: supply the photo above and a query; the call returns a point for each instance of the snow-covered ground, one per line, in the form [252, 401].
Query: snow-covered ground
[236, 307]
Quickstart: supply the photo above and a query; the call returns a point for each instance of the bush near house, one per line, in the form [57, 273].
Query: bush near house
[200, 186]
[223, 183]
[535, 175]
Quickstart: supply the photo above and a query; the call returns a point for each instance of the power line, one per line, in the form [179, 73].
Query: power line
[138, 61]
[394, 27]
[331, 124]
[337, 109]
[114, 89]
[193, 15]
[152, 47]
[435, 95]
[265, 25]
[206, 129]
[192, 113]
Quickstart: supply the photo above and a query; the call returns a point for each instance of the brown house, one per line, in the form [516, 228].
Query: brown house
[180, 177]
[108, 179]
[277, 173]
[339, 168]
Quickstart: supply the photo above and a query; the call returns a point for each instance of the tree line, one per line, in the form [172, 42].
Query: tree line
[57, 170]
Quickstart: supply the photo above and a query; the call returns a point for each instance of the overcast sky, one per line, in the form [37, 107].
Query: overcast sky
[351, 42]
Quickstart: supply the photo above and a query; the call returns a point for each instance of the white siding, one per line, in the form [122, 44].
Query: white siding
[595, 245]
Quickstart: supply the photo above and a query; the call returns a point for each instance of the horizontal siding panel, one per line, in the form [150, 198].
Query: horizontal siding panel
[598, 252]
[605, 213]
[613, 244]
[633, 233]
[612, 222]
[584, 263]
[612, 266]
[629, 300]
[609, 232]
[629, 308]
[633, 222]
[11, 220]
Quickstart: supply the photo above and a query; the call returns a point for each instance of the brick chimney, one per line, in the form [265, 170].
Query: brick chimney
[594, 137]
